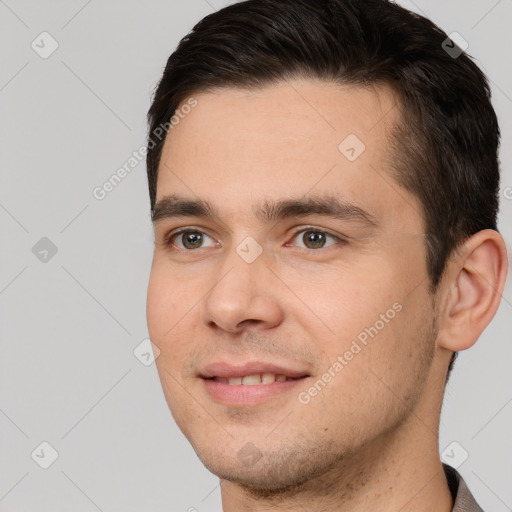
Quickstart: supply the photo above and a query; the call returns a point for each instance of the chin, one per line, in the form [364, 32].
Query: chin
[277, 472]
[258, 479]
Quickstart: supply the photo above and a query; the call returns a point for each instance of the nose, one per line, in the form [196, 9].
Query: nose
[242, 296]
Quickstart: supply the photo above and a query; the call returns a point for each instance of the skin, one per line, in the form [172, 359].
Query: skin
[369, 439]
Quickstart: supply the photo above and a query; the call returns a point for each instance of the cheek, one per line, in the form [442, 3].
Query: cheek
[337, 303]
[165, 308]
[170, 312]
[159, 304]
[376, 384]
[371, 320]
[167, 302]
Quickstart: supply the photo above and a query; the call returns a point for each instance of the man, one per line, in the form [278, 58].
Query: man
[324, 205]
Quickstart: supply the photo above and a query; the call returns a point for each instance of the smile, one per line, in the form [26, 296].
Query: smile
[253, 380]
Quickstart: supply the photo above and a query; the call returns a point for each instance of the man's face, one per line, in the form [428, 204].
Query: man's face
[338, 302]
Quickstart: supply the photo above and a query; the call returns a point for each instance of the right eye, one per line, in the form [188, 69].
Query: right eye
[187, 239]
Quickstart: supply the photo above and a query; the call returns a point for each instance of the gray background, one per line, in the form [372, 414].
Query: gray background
[69, 324]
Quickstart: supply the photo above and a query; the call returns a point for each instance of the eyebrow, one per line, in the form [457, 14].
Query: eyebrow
[172, 206]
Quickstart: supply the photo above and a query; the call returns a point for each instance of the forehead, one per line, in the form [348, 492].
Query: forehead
[285, 115]
[287, 140]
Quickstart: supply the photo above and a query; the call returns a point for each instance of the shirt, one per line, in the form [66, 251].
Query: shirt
[463, 500]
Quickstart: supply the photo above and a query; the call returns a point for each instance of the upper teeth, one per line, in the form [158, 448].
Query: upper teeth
[251, 380]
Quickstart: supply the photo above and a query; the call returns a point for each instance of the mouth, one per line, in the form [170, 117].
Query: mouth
[249, 384]
[255, 379]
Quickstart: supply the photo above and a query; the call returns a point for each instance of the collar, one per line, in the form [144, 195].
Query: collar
[463, 500]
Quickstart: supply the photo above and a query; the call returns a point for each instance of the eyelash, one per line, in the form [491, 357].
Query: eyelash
[169, 239]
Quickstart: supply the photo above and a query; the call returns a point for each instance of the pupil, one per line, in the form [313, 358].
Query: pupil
[192, 240]
[317, 239]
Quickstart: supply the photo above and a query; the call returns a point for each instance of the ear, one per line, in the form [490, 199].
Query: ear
[473, 286]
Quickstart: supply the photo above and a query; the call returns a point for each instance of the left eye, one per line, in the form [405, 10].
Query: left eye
[315, 239]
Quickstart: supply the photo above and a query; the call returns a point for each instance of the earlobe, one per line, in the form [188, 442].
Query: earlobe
[476, 280]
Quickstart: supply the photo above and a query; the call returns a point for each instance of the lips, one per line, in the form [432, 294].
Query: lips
[222, 370]
[249, 384]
